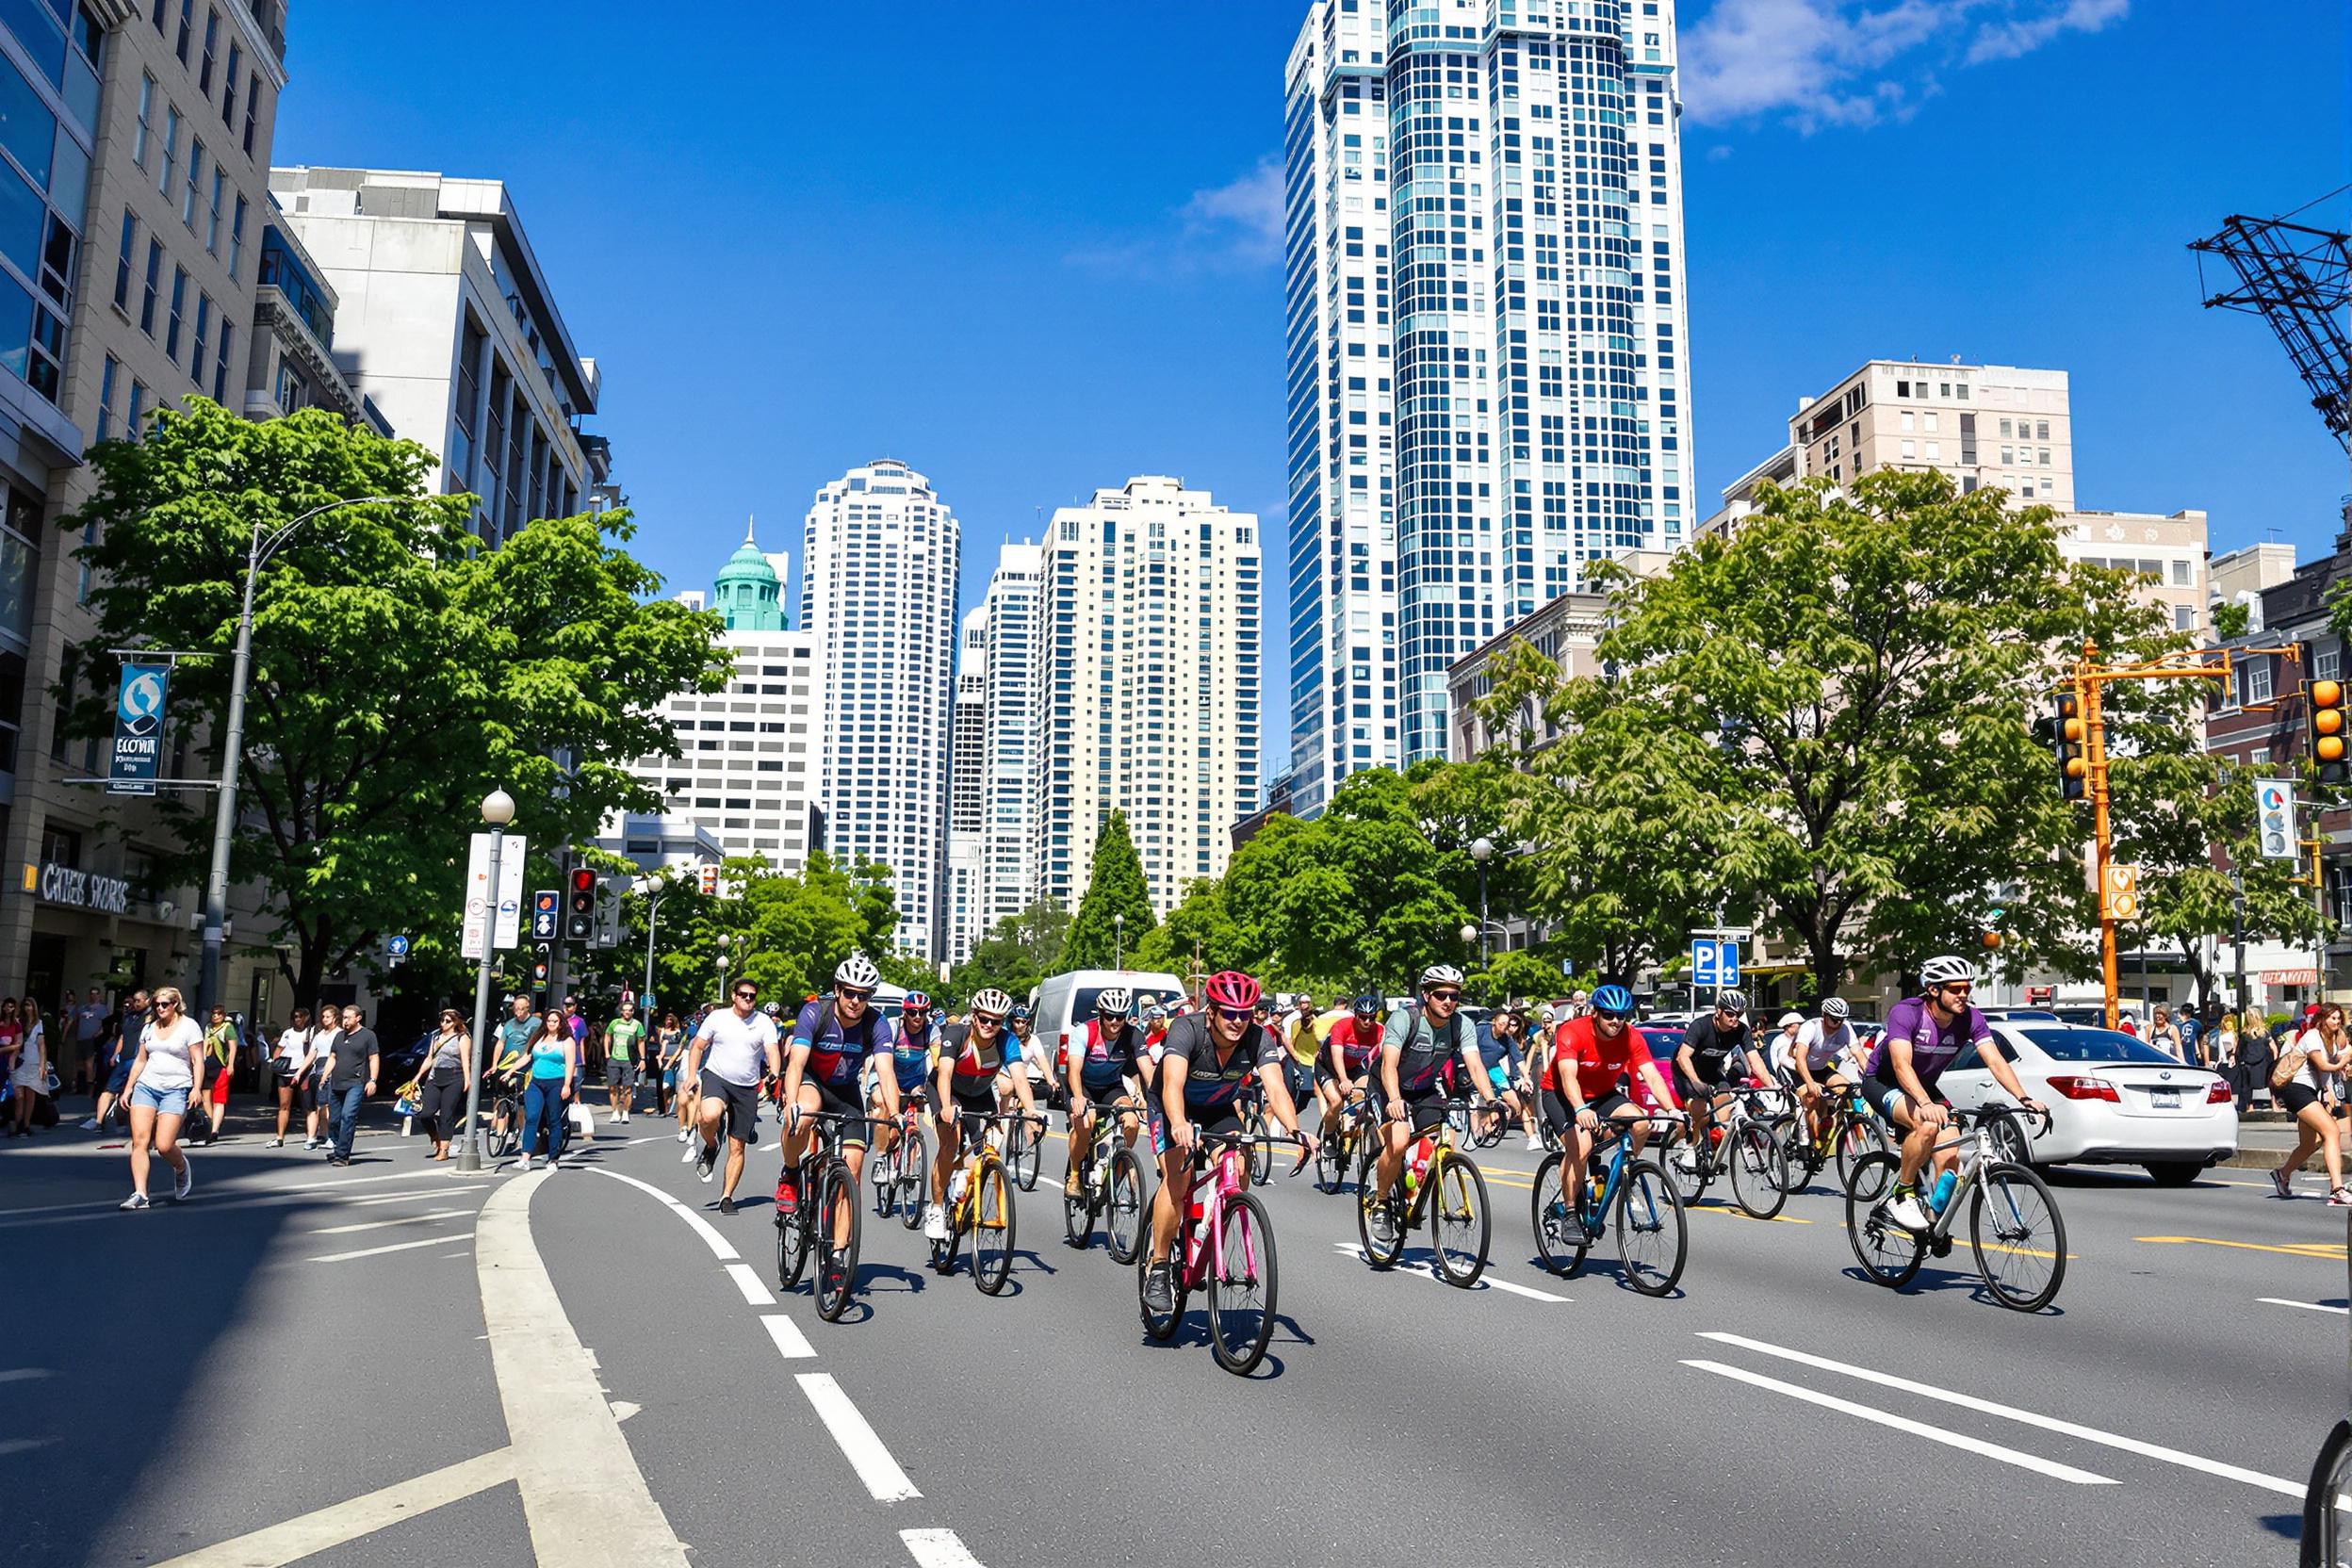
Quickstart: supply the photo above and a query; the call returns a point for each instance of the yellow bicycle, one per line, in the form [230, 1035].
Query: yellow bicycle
[979, 1204]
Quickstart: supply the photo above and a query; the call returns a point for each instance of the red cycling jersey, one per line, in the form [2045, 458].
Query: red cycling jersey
[1598, 1061]
[1357, 1041]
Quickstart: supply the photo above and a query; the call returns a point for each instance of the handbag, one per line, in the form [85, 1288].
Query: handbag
[408, 1100]
[2290, 1063]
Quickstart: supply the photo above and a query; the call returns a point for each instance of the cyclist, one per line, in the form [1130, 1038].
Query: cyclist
[1717, 1055]
[1503, 1046]
[1209, 1056]
[979, 1070]
[1101, 1077]
[513, 1048]
[1305, 1039]
[913, 1053]
[1923, 1035]
[726, 1060]
[1583, 1065]
[1416, 1047]
[1345, 1067]
[831, 1041]
[1819, 1062]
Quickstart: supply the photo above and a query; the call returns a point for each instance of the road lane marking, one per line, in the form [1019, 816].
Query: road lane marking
[859, 1443]
[22, 1445]
[719, 1247]
[387, 1224]
[2294, 1250]
[790, 1342]
[2307, 1306]
[748, 1282]
[379, 1251]
[23, 1374]
[275, 1545]
[583, 1496]
[938, 1550]
[2026, 1417]
[1427, 1272]
[1904, 1424]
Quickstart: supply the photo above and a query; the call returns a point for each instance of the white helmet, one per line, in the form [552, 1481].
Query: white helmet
[1835, 1008]
[992, 1001]
[1439, 974]
[1113, 999]
[858, 972]
[1948, 970]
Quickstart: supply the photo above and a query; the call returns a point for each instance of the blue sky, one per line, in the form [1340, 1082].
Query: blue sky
[1027, 246]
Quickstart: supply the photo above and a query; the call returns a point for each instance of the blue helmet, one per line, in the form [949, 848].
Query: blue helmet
[1613, 1000]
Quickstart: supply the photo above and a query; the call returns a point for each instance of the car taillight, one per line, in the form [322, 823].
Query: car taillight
[2219, 1094]
[2085, 1089]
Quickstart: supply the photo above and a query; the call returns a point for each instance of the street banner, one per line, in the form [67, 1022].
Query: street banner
[2273, 819]
[481, 900]
[137, 729]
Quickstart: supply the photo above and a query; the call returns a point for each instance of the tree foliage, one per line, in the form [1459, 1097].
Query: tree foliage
[1017, 955]
[786, 930]
[1115, 913]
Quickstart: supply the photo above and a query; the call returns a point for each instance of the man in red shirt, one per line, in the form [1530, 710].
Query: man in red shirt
[1582, 1068]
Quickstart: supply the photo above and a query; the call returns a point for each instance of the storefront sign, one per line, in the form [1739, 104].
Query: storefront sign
[137, 729]
[2289, 976]
[84, 890]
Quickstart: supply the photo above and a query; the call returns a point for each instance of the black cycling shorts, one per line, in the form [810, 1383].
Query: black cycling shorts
[1206, 1120]
[1692, 1089]
[741, 1116]
[1427, 1108]
[834, 1102]
[1560, 1115]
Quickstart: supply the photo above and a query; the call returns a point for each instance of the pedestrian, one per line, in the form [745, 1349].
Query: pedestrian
[668, 1039]
[290, 1068]
[2220, 1044]
[448, 1068]
[220, 1046]
[683, 1092]
[2256, 1053]
[89, 1036]
[554, 1074]
[123, 1040]
[2195, 1047]
[2165, 1037]
[166, 1071]
[11, 1038]
[2306, 1081]
[623, 1040]
[29, 1080]
[352, 1065]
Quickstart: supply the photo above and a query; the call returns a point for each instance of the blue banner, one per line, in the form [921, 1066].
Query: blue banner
[137, 729]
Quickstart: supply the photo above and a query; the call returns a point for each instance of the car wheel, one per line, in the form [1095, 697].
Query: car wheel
[2174, 1173]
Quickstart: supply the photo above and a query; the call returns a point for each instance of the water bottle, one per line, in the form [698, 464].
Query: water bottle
[1944, 1184]
[1417, 1165]
[1198, 1219]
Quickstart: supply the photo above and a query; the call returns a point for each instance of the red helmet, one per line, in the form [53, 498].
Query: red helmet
[1232, 990]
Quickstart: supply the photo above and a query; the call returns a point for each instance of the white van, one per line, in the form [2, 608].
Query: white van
[1059, 1009]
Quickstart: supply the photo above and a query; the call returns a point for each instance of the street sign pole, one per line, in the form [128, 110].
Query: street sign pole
[469, 1146]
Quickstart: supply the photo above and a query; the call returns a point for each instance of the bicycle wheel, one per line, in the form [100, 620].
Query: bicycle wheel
[1858, 1135]
[837, 1263]
[1367, 1203]
[1487, 1130]
[1241, 1287]
[2008, 1137]
[1560, 1249]
[2327, 1503]
[991, 1229]
[1020, 1152]
[1331, 1161]
[791, 1244]
[503, 1144]
[1691, 1178]
[1460, 1227]
[1261, 1145]
[1078, 1209]
[1124, 1213]
[1161, 1327]
[1889, 1255]
[1759, 1170]
[1653, 1235]
[911, 1167]
[2019, 1236]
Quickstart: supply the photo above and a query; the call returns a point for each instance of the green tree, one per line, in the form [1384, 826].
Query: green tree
[1200, 924]
[1520, 972]
[1117, 907]
[400, 671]
[1018, 955]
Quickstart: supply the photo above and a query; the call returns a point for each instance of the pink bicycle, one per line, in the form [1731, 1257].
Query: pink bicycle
[1228, 1253]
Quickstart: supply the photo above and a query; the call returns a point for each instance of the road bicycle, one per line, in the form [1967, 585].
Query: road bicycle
[2014, 1229]
[1450, 1193]
[1344, 1140]
[1745, 1146]
[1261, 1130]
[1111, 1186]
[825, 1189]
[901, 1172]
[1620, 1187]
[1022, 1136]
[1849, 1130]
[979, 1203]
[505, 1132]
[1227, 1251]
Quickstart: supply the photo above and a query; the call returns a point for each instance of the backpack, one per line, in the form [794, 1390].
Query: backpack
[2291, 1062]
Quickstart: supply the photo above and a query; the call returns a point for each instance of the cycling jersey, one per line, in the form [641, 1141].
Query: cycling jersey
[1821, 1047]
[838, 1052]
[1106, 1060]
[910, 1058]
[1717, 1053]
[1210, 1082]
[1933, 1045]
[1357, 1043]
[972, 1063]
[1425, 1053]
[1598, 1061]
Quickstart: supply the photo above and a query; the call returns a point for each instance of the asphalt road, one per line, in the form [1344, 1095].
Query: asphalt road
[391, 1364]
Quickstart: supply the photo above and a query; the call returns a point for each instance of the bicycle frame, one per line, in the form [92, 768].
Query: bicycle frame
[1976, 1152]
[1592, 1210]
[1227, 1164]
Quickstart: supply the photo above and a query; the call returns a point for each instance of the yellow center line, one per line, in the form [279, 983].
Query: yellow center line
[2298, 1249]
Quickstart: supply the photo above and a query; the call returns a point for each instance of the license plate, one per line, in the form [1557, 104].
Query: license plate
[2168, 1100]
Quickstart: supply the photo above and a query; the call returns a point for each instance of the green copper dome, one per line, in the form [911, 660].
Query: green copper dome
[749, 593]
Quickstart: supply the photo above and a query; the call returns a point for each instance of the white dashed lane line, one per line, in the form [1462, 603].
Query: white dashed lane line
[859, 1443]
[938, 1550]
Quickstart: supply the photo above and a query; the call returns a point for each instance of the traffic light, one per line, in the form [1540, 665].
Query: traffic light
[540, 959]
[2327, 732]
[545, 907]
[707, 879]
[2062, 733]
[609, 924]
[580, 905]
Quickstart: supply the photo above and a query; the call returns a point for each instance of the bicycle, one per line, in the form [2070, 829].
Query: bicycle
[980, 1204]
[1022, 1142]
[1850, 1129]
[824, 1175]
[1259, 1128]
[1460, 1226]
[901, 1173]
[1344, 1140]
[1637, 1188]
[1747, 1149]
[1231, 1226]
[2013, 1218]
[505, 1132]
[1111, 1185]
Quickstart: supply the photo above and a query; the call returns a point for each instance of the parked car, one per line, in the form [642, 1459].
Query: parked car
[1061, 1006]
[2112, 1100]
[1663, 1042]
[2023, 1015]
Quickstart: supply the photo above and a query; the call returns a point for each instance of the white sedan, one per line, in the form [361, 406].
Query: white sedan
[2112, 1100]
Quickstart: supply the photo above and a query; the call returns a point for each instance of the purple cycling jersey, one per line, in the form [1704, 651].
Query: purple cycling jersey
[1933, 1045]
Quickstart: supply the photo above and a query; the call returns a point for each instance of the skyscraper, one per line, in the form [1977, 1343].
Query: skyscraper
[987, 835]
[1487, 372]
[1146, 685]
[877, 588]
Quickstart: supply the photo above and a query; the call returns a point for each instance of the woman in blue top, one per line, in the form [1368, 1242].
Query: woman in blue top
[553, 1069]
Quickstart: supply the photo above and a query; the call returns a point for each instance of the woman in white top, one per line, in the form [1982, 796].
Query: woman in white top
[290, 1065]
[31, 1077]
[167, 1071]
[2326, 1053]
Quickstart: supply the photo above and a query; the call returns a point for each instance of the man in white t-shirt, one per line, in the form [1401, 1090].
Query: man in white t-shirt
[725, 1061]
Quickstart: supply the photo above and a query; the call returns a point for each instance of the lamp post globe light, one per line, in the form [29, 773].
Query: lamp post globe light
[1118, 941]
[497, 809]
[723, 996]
[1469, 932]
[1483, 851]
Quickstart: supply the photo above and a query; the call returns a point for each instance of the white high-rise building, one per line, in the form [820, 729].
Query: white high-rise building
[1488, 368]
[877, 588]
[1146, 685]
[968, 749]
[987, 835]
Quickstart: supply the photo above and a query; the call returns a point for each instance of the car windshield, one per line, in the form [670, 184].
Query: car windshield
[1081, 1002]
[2094, 1045]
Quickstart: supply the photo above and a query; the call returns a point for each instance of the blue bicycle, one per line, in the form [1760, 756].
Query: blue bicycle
[1621, 1188]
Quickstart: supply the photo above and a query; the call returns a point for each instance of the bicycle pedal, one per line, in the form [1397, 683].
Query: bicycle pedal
[1940, 1246]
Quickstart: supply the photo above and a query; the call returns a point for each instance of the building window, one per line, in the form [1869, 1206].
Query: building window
[147, 296]
[171, 150]
[2254, 683]
[237, 238]
[188, 29]
[204, 330]
[228, 85]
[193, 192]
[220, 364]
[123, 263]
[136, 426]
[106, 397]
[2183, 618]
[253, 108]
[212, 39]
[179, 305]
[146, 121]
[212, 210]
[2327, 663]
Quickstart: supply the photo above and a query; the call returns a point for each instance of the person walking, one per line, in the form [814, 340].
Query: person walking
[448, 1069]
[554, 1074]
[29, 1078]
[2165, 1036]
[2314, 1066]
[220, 1046]
[668, 1039]
[2221, 1048]
[290, 1068]
[89, 1026]
[624, 1044]
[2256, 1051]
[122, 1044]
[165, 1070]
[350, 1070]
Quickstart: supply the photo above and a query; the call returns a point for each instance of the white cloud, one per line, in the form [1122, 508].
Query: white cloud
[1232, 227]
[1818, 63]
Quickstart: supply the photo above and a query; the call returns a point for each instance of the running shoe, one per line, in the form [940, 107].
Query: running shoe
[1159, 1288]
[1908, 1212]
[277, 1143]
[685, 1135]
[136, 1200]
[2282, 1183]
[727, 1206]
[935, 1222]
[787, 1195]
[686, 1156]
[89, 1124]
[706, 1160]
[185, 1183]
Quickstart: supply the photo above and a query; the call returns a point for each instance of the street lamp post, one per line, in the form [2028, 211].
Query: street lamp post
[1118, 941]
[653, 923]
[722, 968]
[1483, 851]
[233, 748]
[497, 809]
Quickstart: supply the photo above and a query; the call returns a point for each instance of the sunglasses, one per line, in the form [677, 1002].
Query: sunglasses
[747, 996]
[851, 993]
[994, 1021]
[1233, 1014]
[1607, 1016]
[1445, 996]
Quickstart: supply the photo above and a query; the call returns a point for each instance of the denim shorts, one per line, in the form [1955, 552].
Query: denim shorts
[162, 1101]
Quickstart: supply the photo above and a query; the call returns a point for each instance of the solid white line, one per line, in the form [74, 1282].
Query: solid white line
[2307, 1306]
[719, 1247]
[938, 1550]
[332, 1525]
[748, 1282]
[24, 1444]
[790, 1342]
[859, 1446]
[387, 1224]
[1916, 1428]
[23, 1374]
[1425, 1271]
[378, 1252]
[2027, 1417]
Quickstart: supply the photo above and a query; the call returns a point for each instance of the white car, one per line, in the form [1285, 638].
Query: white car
[2112, 1100]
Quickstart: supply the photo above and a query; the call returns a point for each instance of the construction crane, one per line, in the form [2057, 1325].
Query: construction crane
[2298, 278]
